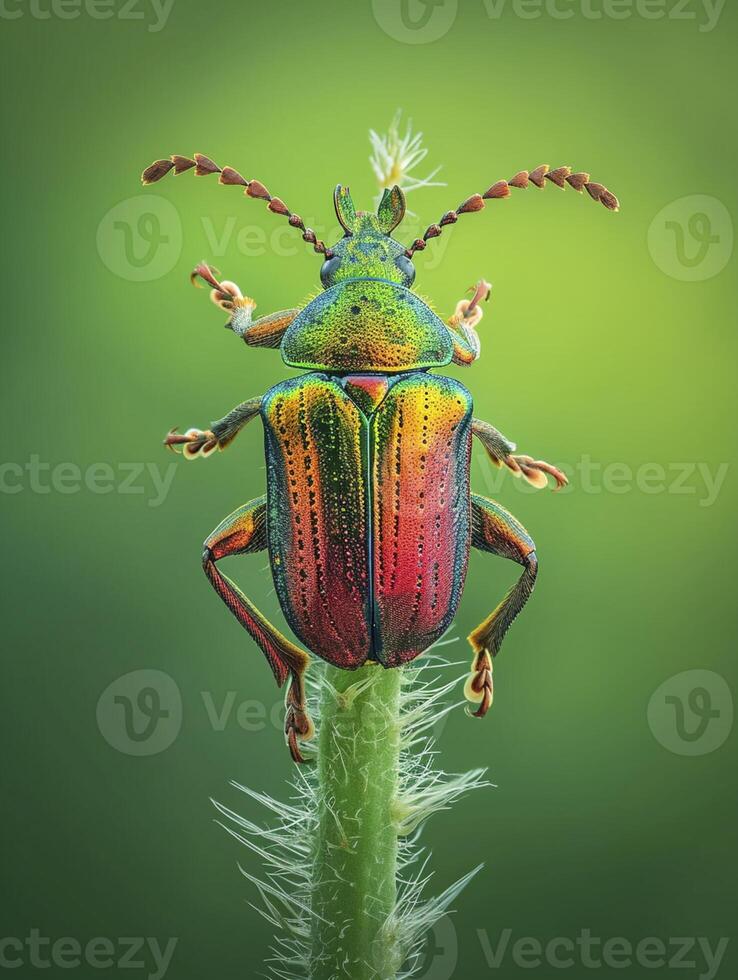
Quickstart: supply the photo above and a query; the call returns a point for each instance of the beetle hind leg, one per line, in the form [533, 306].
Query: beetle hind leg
[496, 531]
[244, 532]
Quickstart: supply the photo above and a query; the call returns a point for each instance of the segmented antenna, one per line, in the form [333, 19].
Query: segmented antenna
[253, 188]
[561, 177]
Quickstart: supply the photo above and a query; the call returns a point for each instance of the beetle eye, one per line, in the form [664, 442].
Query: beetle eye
[329, 268]
[406, 267]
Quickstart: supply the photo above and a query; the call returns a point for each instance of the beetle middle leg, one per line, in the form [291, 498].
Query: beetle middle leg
[501, 452]
[244, 532]
[496, 531]
[203, 442]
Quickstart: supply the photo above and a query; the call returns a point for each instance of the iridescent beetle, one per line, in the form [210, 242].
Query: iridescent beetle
[368, 516]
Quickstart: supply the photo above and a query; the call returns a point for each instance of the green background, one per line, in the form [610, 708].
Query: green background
[590, 349]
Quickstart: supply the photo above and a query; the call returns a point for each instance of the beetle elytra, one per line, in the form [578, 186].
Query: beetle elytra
[368, 517]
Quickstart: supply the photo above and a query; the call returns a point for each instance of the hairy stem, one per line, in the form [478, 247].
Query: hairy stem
[356, 848]
[344, 874]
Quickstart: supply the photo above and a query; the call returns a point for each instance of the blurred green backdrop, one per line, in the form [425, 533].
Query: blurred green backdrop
[609, 346]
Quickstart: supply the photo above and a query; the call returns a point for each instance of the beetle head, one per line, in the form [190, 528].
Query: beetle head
[366, 250]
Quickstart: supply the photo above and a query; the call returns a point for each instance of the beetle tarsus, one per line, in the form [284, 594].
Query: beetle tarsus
[463, 323]
[535, 470]
[479, 687]
[294, 747]
[192, 443]
[298, 726]
[501, 452]
[482, 291]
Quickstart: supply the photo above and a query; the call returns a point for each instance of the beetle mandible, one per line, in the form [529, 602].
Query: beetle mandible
[368, 517]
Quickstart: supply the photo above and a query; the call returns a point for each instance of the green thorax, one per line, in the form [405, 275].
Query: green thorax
[367, 319]
[367, 324]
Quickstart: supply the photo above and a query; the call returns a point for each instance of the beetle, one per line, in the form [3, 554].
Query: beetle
[368, 517]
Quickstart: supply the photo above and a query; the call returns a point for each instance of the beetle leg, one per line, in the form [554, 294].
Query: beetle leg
[244, 532]
[267, 331]
[193, 443]
[502, 453]
[496, 531]
[201, 443]
[463, 323]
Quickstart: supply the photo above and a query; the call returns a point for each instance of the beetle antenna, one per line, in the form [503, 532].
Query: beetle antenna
[561, 177]
[253, 188]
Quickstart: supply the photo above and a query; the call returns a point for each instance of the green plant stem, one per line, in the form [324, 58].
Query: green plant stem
[354, 883]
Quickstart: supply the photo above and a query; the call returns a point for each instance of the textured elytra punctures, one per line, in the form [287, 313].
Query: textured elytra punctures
[355, 583]
[561, 176]
[228, 176]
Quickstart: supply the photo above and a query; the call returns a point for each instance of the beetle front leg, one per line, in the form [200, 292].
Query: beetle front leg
[463, 323]
[202, 442]
[244, 532]
[266, 331]
[496, 531]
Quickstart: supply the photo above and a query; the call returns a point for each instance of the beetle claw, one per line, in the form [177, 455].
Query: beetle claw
[294, 747]
[294, 743]
[479, 687]
[482, 291]
[298, 726]
[173, 440]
